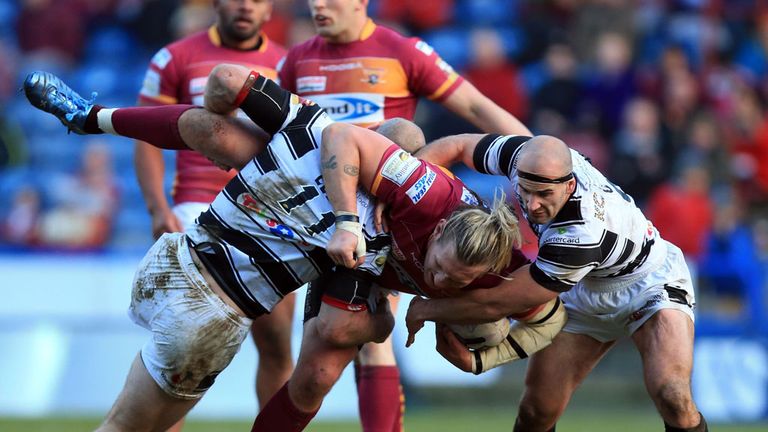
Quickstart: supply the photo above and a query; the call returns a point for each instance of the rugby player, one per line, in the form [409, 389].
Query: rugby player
[615, 274]
[266, 234]
[177, 74]
[363, 73]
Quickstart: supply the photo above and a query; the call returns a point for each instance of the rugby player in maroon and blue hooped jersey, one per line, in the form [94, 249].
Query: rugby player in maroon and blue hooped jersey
[178, 73]
[364, 73]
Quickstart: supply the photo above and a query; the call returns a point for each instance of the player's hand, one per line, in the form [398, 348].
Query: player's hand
[451, 348]
[413, 320]
[165, 222]
[379, 218]
[342, 248]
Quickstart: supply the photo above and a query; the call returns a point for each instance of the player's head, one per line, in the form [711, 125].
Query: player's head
[339, 20]
[404, 133]
[469, 244]
[239, 21]
[545, 178]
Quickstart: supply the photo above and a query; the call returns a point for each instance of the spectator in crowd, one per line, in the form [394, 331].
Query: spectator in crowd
[84, 205]
[493, 74]
[417, 15]
[51, 31]
[20, 224]
[638, 164]
[682, 210]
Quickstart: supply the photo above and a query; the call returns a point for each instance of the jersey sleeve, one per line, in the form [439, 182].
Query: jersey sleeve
[496, 154]
[567, 255]
[161, 81]
[428, 74]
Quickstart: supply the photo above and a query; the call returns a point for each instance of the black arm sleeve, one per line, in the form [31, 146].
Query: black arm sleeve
[267, 104]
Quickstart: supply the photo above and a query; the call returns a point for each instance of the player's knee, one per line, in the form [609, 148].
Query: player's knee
[224, 83]
[537, 414]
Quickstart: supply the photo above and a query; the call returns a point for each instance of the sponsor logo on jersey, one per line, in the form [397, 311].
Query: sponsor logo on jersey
[399, 167]
[563, 240]
[468, 197]
[310, 84]
[161, 58]
[151, 85]
[247, 201]
[340, 67]
[357, 108]
[417, 191]
[282, 231]
[425, 48]
[444, 66]
[197, 85]
[355, 308]
[379, 261]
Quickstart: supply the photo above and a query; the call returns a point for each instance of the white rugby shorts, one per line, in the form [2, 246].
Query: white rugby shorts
[610, 309]
[195, 334]
[187, 212]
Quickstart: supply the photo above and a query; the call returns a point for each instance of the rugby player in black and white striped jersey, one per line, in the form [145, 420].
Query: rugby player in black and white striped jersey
[607, 262]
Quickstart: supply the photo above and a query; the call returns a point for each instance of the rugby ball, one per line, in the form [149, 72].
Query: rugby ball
[478, 336]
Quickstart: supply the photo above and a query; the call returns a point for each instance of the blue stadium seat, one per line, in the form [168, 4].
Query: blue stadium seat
[486, 12]
[451, 44]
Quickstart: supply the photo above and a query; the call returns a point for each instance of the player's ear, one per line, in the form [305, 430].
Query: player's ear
[439, 228]
[571, 186]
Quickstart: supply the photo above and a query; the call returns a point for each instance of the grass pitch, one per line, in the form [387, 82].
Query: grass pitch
[469, 420]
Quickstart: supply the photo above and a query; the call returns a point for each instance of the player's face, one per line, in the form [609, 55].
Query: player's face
[542, 201]
[332, 18]
[241, 20]
[444, 273]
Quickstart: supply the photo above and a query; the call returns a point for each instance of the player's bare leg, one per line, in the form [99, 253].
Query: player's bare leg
[143, 406]
[553, 375]
[272, 336]
[380, 397]
[665, 343]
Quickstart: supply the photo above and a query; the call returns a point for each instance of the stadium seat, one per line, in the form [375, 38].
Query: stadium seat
[486, 12]
[451, 44]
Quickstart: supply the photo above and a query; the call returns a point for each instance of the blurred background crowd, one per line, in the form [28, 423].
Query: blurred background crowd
[668, 97]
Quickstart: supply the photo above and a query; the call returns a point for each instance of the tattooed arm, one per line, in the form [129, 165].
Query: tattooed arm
[350, 156]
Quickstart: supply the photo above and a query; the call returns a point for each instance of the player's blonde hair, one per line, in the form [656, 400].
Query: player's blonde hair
[483, 237]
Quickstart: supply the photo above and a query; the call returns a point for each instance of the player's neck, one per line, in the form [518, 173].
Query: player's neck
[242, 45]
[353, 33]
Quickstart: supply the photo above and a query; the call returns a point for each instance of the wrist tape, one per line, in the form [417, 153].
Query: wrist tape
[350, 222]
[525, 337]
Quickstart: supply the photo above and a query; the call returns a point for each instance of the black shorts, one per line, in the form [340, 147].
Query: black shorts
[341, 288]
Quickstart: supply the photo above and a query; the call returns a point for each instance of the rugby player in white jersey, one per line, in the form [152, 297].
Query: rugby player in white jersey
[615, 274]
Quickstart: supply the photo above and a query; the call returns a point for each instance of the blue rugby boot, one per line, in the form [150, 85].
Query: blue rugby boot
[48, 92]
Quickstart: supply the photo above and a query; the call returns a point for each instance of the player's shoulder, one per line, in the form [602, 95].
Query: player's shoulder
[399, 42]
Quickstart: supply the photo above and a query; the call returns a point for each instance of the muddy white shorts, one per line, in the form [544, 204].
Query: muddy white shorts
[194, 333]
[608, 309]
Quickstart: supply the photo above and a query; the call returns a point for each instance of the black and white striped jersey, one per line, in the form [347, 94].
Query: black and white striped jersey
[265, 233]
[599, 237]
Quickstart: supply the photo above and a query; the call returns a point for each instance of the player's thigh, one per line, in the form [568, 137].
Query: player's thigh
[665, 343]
[380, 354]
[555, 372]
[272, 332]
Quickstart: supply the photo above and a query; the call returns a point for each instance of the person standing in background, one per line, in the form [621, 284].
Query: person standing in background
[178, 74]
[364, 73]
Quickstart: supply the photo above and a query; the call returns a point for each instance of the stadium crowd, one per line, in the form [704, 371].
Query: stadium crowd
[666, 96]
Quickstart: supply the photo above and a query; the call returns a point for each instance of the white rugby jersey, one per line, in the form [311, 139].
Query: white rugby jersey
[265, 233]
[599, 237]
